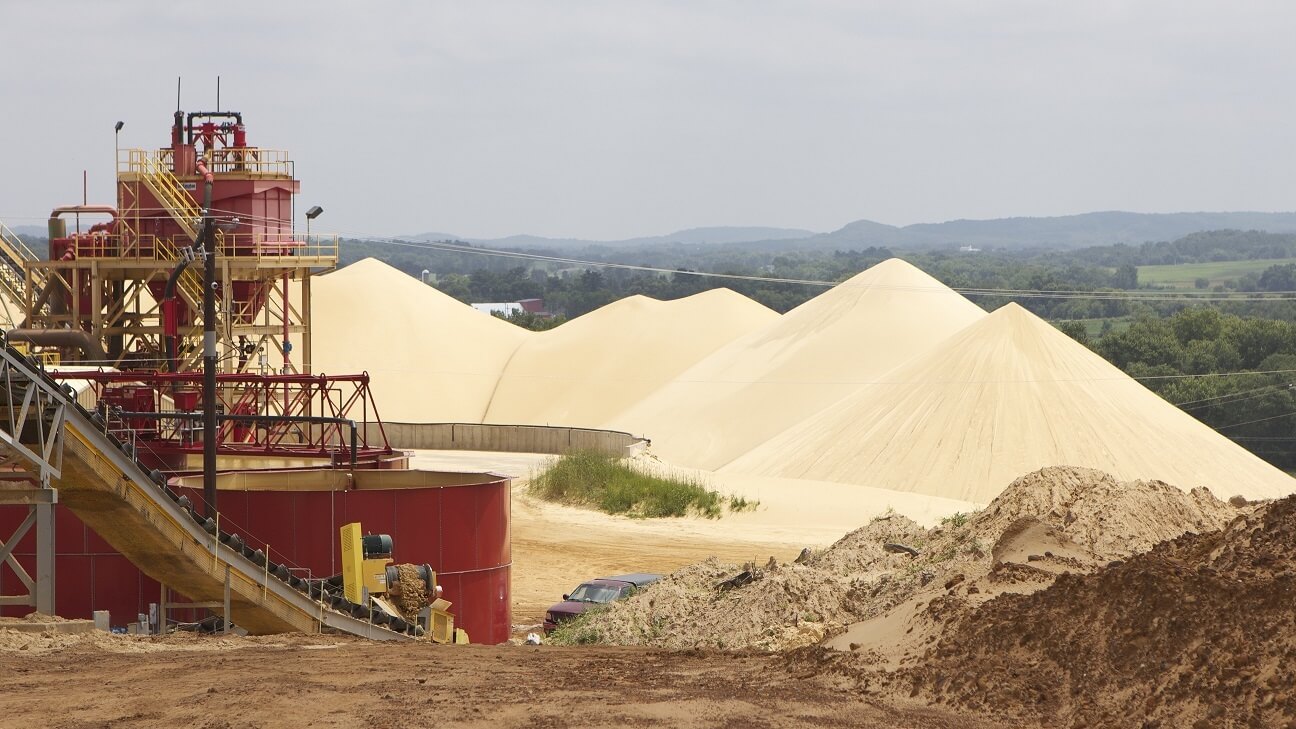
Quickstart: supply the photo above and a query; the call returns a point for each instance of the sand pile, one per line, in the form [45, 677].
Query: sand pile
[601, 363]
[1199, 632]
[816, 354]
[431, 358]
[98, 640]
[1008, 395]
[1055, 520]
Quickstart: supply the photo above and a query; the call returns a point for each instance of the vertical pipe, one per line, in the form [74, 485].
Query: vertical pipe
[287, 345]
[210, 432]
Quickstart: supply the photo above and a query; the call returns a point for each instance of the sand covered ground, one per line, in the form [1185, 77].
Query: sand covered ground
[887, 383]
[557, 547]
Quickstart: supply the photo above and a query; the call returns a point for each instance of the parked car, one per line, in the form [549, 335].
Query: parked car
[595, 592]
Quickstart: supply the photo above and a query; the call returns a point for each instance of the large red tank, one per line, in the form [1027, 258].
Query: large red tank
[456, 522]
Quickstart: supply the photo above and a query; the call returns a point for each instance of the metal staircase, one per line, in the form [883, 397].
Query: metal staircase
[14, 254]
[181, 206]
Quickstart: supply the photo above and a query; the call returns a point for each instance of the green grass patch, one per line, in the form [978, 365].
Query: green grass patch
[1185, 275]
[577, 631]
[603, 482]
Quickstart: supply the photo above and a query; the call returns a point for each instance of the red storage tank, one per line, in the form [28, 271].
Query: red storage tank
[459, 523]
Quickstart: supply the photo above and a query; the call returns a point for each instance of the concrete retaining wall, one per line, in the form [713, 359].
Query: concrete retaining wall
[510, 438]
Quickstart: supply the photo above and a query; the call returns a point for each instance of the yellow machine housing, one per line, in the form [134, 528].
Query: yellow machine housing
[358, 573]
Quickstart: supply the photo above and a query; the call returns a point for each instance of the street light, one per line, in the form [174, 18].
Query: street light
[116, 144]
[311, 214]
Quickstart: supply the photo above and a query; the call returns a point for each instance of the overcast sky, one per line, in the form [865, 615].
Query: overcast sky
[619, 119]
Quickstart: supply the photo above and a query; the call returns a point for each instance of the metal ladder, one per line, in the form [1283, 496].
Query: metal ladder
[14, 255]
[180, 205]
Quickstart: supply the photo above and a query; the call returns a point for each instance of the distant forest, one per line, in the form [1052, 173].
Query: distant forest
[571, 290]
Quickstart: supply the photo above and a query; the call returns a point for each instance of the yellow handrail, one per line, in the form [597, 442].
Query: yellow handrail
[15, 254]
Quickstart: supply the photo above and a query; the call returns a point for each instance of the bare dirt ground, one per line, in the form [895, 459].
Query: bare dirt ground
[314, 682]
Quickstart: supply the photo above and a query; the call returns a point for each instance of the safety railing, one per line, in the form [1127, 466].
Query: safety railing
[250, 161]
[14, 255]
[259, 245]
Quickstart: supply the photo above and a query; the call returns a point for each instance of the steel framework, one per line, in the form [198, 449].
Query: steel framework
[32, 413]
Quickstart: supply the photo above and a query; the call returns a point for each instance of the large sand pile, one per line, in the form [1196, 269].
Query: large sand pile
[767, 381]
[596, 365]
[1007, 395]
[1054, 520]
[431, 358]
[1199, 632]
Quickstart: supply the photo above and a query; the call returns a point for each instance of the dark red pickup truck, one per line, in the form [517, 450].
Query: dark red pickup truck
[595, 592]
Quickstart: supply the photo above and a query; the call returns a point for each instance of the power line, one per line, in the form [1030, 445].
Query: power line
[1257, 420]
[1232, 398]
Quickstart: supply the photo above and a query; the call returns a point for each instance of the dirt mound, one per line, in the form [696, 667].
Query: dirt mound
[1049, 522]
[1197, 632]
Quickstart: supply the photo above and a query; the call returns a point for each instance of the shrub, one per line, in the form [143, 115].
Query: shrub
[601, 481]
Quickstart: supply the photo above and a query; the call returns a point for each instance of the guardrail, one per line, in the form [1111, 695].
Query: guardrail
[259, 245]
[252, 161]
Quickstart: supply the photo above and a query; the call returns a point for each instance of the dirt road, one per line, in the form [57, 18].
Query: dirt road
[298, 682]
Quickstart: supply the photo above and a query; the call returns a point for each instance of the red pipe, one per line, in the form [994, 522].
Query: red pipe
[109, 209]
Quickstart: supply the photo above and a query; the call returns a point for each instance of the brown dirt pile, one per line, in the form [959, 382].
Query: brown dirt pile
[411, 596]
[1082, 519]
[1198, 632]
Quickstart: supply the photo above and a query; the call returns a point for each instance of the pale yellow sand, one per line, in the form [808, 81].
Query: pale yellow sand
[1004, 397]
[431, 358]
[816, 354]
[598, 364]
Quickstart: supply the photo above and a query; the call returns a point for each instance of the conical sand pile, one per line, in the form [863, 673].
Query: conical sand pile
[816, 354]
[607, 360]
[431, 358]
[1008, 395]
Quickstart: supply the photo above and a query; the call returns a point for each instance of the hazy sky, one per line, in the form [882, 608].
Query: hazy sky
[616, 119]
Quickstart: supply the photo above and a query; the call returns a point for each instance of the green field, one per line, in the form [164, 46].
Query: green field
[1184, 275]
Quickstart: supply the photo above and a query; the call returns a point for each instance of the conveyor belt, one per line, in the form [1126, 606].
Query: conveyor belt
[157, 530]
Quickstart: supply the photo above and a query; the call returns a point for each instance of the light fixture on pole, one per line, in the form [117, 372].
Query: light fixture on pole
[311, 214]
[116, 145]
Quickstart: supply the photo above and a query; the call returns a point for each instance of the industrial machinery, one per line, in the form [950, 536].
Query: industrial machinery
[370, 577]
[122, 293]
[109, 346]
